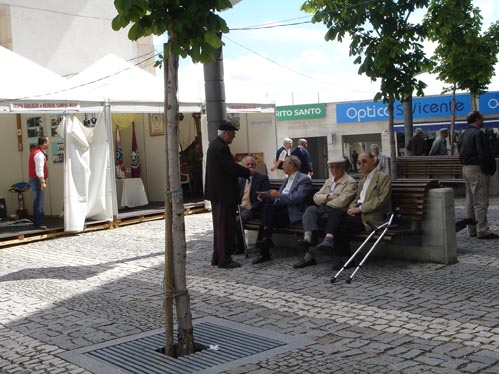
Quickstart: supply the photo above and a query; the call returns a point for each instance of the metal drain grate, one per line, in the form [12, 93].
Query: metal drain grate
[237, 345]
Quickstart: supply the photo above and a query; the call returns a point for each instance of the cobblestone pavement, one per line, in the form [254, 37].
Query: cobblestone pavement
[395, 317]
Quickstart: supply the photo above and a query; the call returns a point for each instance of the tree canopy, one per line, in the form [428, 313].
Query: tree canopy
[387, 45]
[192, 25]
[465, 57]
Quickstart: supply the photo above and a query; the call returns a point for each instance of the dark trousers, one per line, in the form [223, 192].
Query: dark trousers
[272, 216]
[343, 227]
[224, 222]
[245, 217]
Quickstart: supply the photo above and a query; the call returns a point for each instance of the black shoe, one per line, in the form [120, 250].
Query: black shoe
[320, 249]
[303, 263]
[303, 244]
[263, 257]
[230, 265]
[490, 236]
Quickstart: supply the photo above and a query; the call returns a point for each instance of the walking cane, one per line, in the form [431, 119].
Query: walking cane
[384, 226]
[242, 231]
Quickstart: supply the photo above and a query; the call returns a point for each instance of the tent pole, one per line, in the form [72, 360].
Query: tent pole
[109, 125]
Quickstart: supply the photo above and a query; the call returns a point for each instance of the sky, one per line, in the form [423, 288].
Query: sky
[292, 65]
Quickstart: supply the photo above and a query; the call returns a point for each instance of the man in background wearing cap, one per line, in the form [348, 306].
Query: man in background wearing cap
[337, 193]
[439, 147]
[371, 203]
[417, 144]
[478, 165]
[280, 155]
[222, 189]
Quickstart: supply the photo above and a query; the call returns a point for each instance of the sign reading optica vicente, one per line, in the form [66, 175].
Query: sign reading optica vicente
[422, 107]
[295, 112]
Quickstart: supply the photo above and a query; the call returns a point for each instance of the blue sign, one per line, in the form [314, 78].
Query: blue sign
[489, 103]
[422, 107]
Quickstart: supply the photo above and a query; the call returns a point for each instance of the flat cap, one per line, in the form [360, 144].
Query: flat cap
[227, 126]
[336, 160]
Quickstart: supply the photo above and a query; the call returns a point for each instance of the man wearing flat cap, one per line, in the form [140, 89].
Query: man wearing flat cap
[337, 193]
[439, 147]
[222, 189]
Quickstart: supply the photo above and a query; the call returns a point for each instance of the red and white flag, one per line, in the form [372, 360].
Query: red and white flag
[135, 155]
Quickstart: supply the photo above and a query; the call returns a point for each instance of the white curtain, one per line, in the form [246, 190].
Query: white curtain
[87, 189]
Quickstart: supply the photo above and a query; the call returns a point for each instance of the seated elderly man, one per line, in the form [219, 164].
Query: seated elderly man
[336, 193]
[250, 206]
[283, 207]
[371, 203]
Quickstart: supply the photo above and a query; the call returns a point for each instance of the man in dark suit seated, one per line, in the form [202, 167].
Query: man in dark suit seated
[283, 207]
[250, 206]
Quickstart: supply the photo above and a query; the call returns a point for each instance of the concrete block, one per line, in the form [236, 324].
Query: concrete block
[438, 239]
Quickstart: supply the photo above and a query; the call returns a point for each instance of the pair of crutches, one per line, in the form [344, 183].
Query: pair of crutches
[241, 225]
[385, 226]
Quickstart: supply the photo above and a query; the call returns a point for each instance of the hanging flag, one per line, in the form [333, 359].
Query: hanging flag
[135, 155]
[120, 168]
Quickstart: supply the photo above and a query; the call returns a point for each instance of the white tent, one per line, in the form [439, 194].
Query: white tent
[127, 88]
[27, 86]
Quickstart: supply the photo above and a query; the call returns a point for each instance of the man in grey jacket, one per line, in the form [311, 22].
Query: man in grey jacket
[283, 207]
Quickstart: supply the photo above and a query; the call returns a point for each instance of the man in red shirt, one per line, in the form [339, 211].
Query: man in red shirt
[38, 175]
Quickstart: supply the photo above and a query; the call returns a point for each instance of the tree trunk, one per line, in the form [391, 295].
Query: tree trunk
[408, 128]
[168, 280]
[185, 343]
[393, 150]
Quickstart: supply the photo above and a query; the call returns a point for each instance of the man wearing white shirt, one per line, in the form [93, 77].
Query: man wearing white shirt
[38, 175]
[283, 207]
[370, 204]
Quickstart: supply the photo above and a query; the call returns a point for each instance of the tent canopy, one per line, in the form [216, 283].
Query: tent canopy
[24, 80]
[127, 87]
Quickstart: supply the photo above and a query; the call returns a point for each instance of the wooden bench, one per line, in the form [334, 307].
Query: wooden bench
[408, 198]
[448, 170]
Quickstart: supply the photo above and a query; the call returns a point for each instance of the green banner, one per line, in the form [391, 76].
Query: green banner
[295, 112]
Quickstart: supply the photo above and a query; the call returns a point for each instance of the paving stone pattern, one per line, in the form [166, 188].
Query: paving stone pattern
[395, 317]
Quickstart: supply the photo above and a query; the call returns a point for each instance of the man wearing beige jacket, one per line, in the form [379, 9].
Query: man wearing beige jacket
[370, 205]
[336, 193]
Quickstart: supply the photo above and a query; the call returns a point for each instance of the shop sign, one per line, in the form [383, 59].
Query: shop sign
[422, 107]
[296, 112]
[489, 103]
[45, 106]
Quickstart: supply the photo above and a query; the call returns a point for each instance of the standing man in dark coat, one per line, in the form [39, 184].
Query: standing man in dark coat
[222, 189]
[478, 165]
[302, 153]
[417, 144]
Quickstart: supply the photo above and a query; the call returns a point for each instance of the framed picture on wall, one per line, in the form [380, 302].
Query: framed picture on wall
[54, 120]
[156, 124]
[35, 127]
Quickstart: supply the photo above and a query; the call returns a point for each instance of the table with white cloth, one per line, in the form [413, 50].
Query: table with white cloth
[131, 192]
